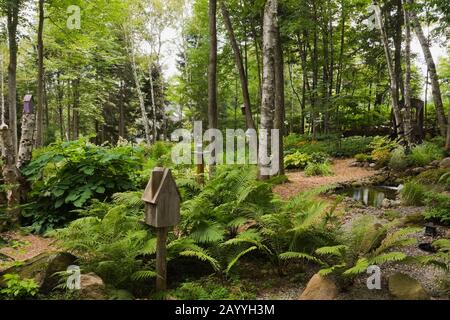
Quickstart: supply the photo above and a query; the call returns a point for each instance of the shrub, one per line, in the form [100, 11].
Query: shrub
[381, 150]
[438, 207]
[296, 160]
[320, 157]
[426, 153]
[66, 176]
[362, 157]
[17, 288]
[318, 169]
[413, 193]
[399, 160]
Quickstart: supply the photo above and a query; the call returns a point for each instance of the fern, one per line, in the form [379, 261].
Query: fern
[299, 256]
[238, 257]
[142, 275]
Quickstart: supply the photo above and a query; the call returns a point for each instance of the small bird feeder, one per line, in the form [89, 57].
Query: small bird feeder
[430, 229]
[28, 104]
[162, 210]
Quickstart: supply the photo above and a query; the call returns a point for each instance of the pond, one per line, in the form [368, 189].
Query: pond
[370, 195]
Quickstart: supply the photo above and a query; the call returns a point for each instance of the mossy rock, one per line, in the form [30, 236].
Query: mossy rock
[403, 287]
[42, 269]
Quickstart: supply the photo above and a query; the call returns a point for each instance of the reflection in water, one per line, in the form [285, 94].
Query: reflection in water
[370, 196]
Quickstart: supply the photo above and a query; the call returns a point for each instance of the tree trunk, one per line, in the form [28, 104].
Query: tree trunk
[407, 112]
[122, 128]
[26, 141]
[12, 23]
[139, 93]
[212, 76]
[280, 112]
[435, 86]
[10, 177]
[40, 81]
[152, 89]
[390, 65]
[76, 111]
[268, 86]
[240, 66]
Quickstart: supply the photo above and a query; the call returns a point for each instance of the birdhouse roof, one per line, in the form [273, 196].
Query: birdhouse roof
[167, 185]
[28, 98]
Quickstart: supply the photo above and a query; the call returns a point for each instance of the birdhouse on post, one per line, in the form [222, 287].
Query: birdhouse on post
[28, 104]
[162, 199]
[162, 210]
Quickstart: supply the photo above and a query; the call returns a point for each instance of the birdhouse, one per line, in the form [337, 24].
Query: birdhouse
[28, 104]
[162, 199]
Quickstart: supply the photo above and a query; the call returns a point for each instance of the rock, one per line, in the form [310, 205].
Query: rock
[386, 203]
[447, 234]
[319, 288]
[445, 164]
[403, 287]
[92, 287]
[418, 170]
[42, 269]
[372, 165]
[354, 164]
[434, 164]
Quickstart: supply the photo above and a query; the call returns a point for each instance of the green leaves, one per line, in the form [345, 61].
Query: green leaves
[68, 175]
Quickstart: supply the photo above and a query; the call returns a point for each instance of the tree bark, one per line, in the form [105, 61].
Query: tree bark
[40, 81]
[240, 66]
[152, 89]
[139, 93]
[12, 23]
[26, 141]
[268, 86]
[10, 177]
[407, 112]
[435, 86]
[393, 78]
[212, 75]
[280, 110]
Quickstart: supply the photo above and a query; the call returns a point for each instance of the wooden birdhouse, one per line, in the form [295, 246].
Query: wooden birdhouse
[162, 199]
[28, 104]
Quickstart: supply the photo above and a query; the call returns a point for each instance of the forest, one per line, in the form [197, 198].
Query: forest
[225, 150]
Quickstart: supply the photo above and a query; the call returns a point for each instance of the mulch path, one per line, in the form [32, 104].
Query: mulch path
[342, 172]
[23, 247]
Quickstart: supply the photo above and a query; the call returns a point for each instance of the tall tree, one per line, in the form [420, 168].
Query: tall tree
[435, 86]
[392, 75]
[41, 78]
[280, 110]
[212, 72]
[239, 65]
[268, 83]
[407, 113]
[12, 13]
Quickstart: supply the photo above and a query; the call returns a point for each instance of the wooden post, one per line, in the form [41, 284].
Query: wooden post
[161, 259]
[162, 199]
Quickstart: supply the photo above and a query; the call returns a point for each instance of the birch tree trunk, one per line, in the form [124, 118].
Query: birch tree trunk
[10, 177]
[139, 92]
[268, 84]
[240, 66]
[26, 141]
[435, 86]
[407, 113]
[393, 78]
[152, 89]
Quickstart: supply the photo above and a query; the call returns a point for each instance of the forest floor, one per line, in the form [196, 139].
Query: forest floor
[342, 172]
[22, 247]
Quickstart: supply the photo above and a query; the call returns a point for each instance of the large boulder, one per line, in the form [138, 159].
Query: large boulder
[42, 269]
[319, 288]
[92, 287]
[403, 287]
[445, 164]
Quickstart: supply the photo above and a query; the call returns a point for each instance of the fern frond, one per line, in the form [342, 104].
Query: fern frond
[203, 256]
[143, 275]
[360, 267]
[388, 257]
[239, 256]
[337, 251]
[299, 256]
